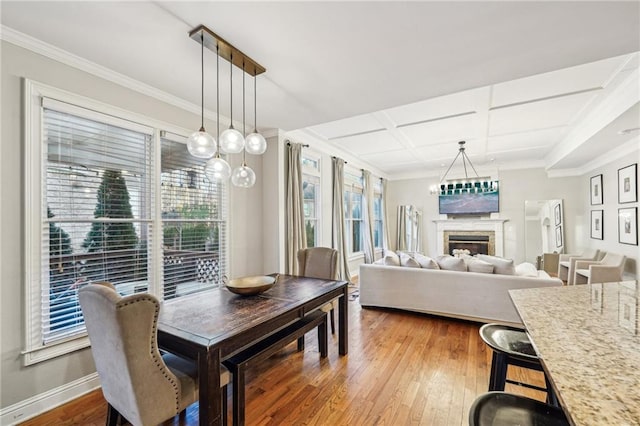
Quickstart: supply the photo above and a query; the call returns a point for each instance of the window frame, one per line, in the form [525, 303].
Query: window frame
[35, 185]
[316, 173]
[353, 185]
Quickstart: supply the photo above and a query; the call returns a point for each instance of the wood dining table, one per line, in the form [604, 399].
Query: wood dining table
[212, 325]
[588, 339]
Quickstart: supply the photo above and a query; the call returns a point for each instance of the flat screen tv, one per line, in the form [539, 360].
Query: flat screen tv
[472, 198]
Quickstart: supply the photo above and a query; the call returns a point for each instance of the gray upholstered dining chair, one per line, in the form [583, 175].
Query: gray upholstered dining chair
[320, 262]
[139, 384]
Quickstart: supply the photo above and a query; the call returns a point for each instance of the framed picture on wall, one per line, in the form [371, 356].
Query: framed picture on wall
[557, 214]
[558, 236]
[596, 190]
[597, 225]
[628, 226]
[628, 184]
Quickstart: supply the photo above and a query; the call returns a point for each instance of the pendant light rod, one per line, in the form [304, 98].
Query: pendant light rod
[201, 81]
[465, 159]
[217, 100]
[244, 122]
[231, 89]
[255, 105]
[212, 41]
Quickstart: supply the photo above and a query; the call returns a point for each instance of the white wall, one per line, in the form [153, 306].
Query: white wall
[516, 186]
[20, 383]
[610, 242]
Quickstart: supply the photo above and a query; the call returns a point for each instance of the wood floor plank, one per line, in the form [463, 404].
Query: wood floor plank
[402, 369]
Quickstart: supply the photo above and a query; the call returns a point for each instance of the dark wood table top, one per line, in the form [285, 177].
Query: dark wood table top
[211, 316]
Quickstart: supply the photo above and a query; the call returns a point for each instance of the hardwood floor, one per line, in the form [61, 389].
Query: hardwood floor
[402, 369]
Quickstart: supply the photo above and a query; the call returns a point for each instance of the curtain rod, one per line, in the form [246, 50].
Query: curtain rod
[304, 145]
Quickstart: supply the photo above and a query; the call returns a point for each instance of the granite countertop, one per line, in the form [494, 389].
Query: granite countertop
[588, 339]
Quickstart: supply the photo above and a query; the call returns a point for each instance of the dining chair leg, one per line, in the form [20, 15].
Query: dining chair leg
[301, 344]
[225, 411]
[323, 339]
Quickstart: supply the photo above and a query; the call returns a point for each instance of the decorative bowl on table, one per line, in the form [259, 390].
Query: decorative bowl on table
[249, 286]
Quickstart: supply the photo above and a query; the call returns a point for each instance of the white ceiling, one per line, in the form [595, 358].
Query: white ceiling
[394, 85]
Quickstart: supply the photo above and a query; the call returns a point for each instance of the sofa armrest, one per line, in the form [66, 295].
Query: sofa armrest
[604, 274]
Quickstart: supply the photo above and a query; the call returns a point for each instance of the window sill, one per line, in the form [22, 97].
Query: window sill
[43, 353]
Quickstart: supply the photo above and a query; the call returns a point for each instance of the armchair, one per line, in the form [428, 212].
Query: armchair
[609, 269]
[567, 263]
[138, 382]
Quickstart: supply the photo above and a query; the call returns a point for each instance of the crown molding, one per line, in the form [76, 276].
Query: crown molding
[47, 50]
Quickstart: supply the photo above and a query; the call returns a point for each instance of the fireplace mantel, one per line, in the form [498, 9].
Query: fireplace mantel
[495, 225]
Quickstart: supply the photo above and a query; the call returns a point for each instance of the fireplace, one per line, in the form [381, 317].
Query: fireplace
[492, 228]
[477, 242]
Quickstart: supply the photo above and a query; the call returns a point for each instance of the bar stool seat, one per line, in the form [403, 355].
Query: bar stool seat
[511, 346]
[505, 409]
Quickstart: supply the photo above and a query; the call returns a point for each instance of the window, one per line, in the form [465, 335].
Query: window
[311, 197]
[377, 215]
[353, 211]
[92, 180]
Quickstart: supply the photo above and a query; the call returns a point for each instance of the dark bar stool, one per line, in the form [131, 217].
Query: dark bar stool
[511, 346]
[505, 409]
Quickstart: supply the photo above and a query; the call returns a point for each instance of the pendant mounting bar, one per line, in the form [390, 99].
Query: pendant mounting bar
[226, 50]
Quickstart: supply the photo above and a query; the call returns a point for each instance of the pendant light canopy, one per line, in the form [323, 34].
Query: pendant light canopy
[201, 144]
[231, 141]
[255, 143]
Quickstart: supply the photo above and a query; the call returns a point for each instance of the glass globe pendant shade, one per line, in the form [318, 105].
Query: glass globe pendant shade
[231, 141]
[255, 143]
[243, 176]
[201, 144]
[217, 169]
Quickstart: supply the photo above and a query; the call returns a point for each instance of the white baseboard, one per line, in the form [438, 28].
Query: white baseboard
[46, 401]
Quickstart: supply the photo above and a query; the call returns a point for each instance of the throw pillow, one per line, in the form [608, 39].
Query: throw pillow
[425, 261]
[391, 259]
[477, 265]
[450, 263]
[526, 269]
[500, 264]
[406, 260]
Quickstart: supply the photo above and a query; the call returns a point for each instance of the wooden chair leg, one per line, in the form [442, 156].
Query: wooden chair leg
[300, 344]
[113, 417]
[333, 322]
[225, 411]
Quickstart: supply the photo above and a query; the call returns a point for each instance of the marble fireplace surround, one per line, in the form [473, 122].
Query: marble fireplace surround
[444, 227]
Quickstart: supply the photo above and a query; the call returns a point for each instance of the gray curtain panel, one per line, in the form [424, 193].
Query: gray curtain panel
[338, 238]
[385, 216]
[296, 237]
[368, 217]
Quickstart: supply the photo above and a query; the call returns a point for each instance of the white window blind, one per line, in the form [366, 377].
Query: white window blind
[96, 224]
[193, 223]
[353, 209]
[108, 199]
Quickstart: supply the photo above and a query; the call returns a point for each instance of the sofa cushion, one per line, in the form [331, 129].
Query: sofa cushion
[500, 264]
[391, 258]
[408, 261]
[477, 265]
[450, 263]
[526, 269]
[425, 261]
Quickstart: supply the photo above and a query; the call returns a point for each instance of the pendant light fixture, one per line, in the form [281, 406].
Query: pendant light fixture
[231, 140]
[243, 176]
[255, 143]
[201, 144]
[217, 169]
[466, 185]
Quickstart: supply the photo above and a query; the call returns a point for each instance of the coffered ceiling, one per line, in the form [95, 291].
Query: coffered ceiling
[391, 86]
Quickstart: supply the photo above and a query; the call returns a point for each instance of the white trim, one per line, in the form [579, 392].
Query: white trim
[48, 400]
[41, 48]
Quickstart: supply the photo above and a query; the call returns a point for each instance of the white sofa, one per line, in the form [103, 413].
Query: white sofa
[466, 295]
